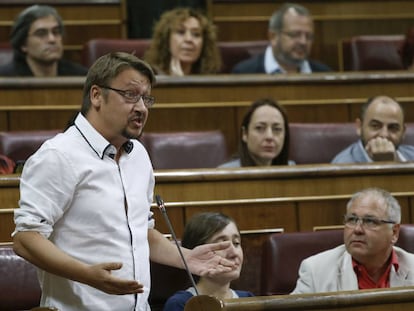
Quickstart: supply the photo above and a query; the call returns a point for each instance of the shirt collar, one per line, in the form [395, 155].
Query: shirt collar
[272, 66]
[96, 141]
[393, 262]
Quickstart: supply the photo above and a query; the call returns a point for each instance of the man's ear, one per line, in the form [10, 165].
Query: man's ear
[403, 131]
[272, 36]
[358, 124]
[395, 233]
[95, 96]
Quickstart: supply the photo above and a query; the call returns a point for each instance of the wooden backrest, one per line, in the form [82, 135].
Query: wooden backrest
[371, 52]
[95, 48]
[6, 53]
[19, 286]
[321, 142]
[231, 52]
[237, 51]
[19, 145]
[283, 253]
[196, 149]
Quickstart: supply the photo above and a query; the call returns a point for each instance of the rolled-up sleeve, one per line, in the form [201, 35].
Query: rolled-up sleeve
[46, 189]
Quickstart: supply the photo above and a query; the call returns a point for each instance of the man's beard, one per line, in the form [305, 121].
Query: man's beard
[128, 135]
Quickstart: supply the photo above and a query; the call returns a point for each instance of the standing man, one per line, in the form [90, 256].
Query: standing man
[36, 38]
[381, 130]
[290, 42]
[368, 258]
[84, 218]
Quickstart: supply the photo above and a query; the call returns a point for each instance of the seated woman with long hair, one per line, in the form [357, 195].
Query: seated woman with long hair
[184, 43]
[264, 136]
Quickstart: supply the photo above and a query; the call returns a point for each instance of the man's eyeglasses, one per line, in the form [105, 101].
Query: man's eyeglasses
[132, 97]
[295, 35]
[351, 221]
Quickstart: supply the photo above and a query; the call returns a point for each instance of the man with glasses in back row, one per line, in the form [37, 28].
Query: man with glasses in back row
[36, 38]
[85, 196]
[290, 37]
[368, 258]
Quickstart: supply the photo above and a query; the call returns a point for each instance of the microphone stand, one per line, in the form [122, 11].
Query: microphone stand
[161, 206]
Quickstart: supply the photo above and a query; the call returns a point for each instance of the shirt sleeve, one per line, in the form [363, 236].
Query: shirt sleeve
[47, 186]
[150, 195]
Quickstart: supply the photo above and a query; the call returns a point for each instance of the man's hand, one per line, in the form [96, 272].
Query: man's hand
[100, 277]
[381, 149]
[204, 261]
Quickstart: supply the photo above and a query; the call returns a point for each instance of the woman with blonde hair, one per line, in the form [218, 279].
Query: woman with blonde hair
[183, 43]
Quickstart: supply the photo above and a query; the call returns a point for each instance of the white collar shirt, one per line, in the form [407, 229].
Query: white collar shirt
[272, 66]
[97, 210]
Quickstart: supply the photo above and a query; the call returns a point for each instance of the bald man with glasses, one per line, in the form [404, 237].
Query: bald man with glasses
[368, 258]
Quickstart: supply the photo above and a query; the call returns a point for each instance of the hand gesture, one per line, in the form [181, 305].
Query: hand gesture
[204, 261]
[100, 277]
[380, 149]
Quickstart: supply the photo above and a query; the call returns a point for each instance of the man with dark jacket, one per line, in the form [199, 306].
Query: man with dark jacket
[290, 41]
[36, 38]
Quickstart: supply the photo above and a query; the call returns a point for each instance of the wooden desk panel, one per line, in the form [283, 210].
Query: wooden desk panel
[308, 98]
[262, 182]
[293, 198]
[209, 102]
[292, 214]
[284, 181]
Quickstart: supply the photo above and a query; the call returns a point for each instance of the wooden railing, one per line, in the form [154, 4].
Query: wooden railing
[396, 299]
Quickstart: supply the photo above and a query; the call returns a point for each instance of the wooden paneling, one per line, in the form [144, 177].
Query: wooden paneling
[284, 181]
[83, 20]
[293, 198]
[334, 20]
[209, 102]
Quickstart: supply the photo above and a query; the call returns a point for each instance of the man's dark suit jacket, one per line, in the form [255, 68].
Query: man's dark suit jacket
[255, 64]
[19, 68]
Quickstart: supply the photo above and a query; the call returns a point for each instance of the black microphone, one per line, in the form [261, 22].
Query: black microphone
[161, 206]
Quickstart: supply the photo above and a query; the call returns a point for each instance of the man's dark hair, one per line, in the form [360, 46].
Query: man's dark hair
[276, 20]
[24, 20]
